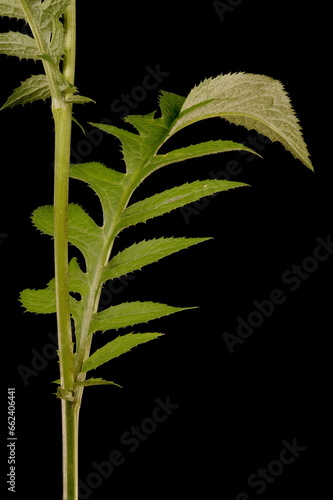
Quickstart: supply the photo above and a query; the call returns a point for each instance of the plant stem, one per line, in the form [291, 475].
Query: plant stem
[62, 119]
[62, 114]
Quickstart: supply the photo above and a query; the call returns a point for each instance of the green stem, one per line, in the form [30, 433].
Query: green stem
[62, 114]
[63, 122]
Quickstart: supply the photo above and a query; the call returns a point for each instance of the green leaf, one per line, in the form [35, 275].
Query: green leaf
[108, 184]
[16, 44]
[194, 151]
[83, 232]
[170, 105]
[131, 145]
[11, 8]
[78, 280]
[253, 101]
[129, 314]
[32, 89]
[78, 99]
[171, 199]
[95, 381]
[56, 7]
[43, 301]
[145, 252]
[40, 301]
[116, 347]
[46, 44]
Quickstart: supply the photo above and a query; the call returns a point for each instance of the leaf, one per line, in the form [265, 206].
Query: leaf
[11, 8]
[78, 99]
[108, 184]
[46, 44]
[131, 145]
[43, 301]
[19, 45]
[78, 280]
[143, 253]
[170, 105]
[40, 301]
[56, 7]
[194, 151]
[253, 101]
[116, 347]
[83, 232]
[129, 314]
[32, 89]
[171, 199]
[95, 381]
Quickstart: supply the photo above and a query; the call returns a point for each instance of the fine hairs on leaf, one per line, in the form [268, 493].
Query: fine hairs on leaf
[253, 101]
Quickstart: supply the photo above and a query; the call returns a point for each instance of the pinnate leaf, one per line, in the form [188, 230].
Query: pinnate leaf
[116, 347]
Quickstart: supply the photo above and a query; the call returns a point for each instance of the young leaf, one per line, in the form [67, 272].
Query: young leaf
[129, 314]
[78, 99]
[170, 199]
[116, 347]
[143, 253]
[254, 101]
[34, 88]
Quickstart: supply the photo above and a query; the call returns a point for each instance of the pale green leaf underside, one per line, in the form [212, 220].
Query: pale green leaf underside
[145, 252]
[129, 314]
[11, 8]
[116, 347]
[19, 45]
[253, 101]
[46, 44]
[34, 88]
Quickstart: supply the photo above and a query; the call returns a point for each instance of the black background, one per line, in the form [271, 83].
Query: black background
[235, 410]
